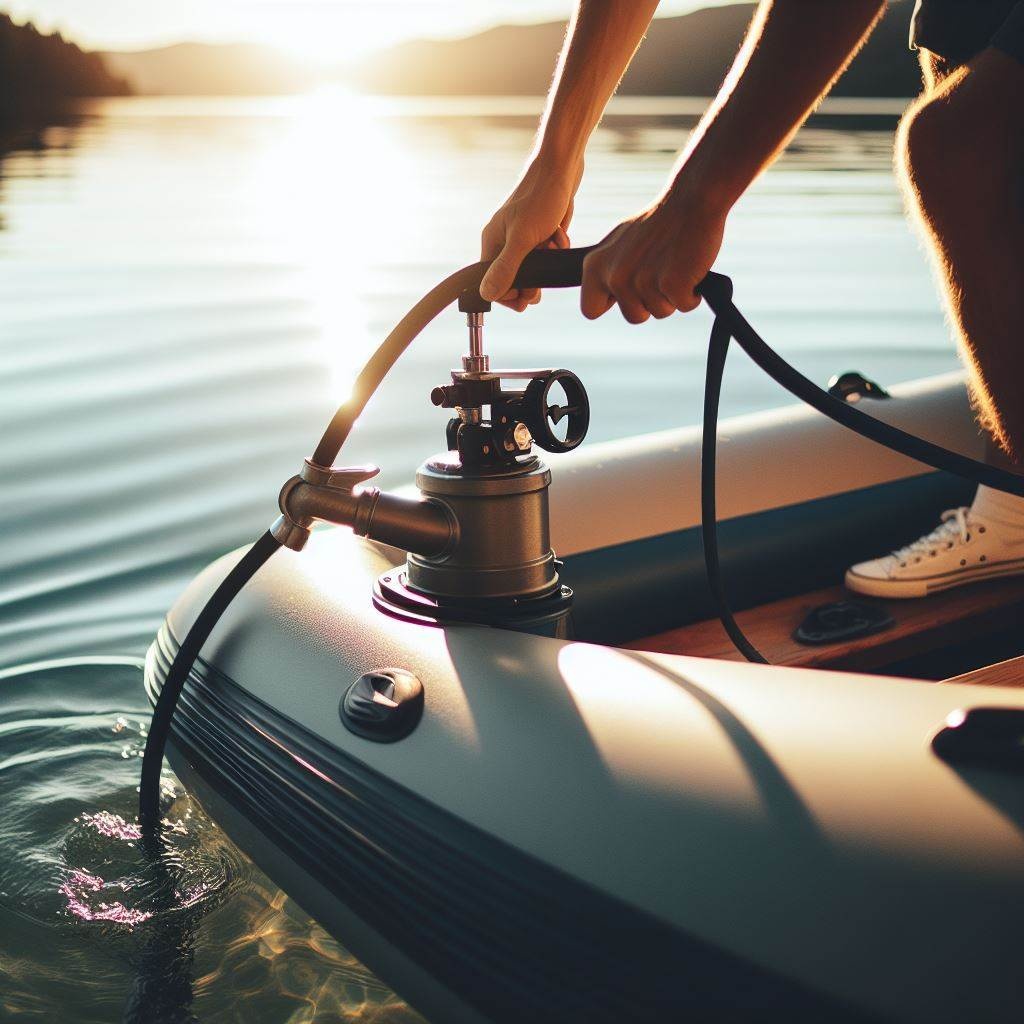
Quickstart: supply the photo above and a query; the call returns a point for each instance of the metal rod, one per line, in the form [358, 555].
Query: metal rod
[476, 333]
[475, 361]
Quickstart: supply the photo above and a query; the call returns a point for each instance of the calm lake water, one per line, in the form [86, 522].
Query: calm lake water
[186, 289]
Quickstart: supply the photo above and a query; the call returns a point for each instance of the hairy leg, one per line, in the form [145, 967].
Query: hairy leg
[961, 152]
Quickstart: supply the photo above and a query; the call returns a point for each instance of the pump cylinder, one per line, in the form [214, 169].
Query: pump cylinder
[503, 545]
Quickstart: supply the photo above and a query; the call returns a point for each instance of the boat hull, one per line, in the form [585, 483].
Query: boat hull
[577, 832]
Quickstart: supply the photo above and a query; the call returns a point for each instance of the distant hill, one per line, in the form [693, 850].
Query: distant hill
[686, 55]
[38, 70]
[682, 56]
[210, 69]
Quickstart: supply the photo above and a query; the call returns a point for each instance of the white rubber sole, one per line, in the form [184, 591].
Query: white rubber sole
[926, 585]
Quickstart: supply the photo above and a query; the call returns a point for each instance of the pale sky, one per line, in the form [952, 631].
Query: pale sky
[320, 29]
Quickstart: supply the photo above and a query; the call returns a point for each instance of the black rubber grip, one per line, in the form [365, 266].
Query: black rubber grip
[563, 268]
[552, 268]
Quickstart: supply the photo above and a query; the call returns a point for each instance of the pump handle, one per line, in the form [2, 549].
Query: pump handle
[563, 268]
[552, 268]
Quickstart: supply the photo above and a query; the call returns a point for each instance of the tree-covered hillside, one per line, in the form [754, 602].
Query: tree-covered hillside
[686, 55]
[37, 70]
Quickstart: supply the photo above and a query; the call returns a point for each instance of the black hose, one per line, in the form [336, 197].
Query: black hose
[390, 349]
[729, 322]
[716, 290]
[563, 268]
[718, 349]
[163, 712]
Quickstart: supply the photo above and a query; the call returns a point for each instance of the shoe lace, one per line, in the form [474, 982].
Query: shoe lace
[954, 528]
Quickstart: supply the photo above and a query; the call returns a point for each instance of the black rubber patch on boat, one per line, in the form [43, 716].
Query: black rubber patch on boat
[385, 705]
[841, 620]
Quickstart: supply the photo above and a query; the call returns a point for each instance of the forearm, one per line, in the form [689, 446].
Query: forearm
[603, 36]
[793, 52]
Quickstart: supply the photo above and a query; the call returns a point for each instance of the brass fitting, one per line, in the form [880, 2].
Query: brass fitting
[329, 494]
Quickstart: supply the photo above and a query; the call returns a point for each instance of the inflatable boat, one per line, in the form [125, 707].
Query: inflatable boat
[513, 805]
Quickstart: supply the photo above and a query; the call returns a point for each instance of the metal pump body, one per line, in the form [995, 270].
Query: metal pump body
[478, 538]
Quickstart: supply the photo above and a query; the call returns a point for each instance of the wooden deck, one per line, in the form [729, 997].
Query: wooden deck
[1002, 673]
[921, 624]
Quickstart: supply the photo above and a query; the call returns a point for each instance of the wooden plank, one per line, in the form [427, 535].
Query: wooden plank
[1003, 673]
[922, 624]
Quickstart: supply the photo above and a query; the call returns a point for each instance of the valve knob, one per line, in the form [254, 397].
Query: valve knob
[541, 415]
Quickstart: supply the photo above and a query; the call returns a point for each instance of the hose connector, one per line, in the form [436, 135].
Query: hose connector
[330, 494]
[318, 492]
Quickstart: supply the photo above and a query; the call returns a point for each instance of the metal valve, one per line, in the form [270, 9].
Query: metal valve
[332, 488]
[474, 307]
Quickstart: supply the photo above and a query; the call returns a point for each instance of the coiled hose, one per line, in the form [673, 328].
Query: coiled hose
[553, 268]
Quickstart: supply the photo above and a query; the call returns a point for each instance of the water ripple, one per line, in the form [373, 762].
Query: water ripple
[96, 930]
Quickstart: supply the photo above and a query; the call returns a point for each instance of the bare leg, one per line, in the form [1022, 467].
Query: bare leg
[961, 153]
[961, 150]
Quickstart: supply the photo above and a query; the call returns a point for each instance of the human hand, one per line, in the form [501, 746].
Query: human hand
[535, 216]
[651, 264]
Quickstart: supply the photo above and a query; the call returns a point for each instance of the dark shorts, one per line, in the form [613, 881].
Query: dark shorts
[957, 30]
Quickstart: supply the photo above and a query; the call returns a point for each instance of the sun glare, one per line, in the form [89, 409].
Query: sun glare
[334, 33]
[337, 36]
[323, 182]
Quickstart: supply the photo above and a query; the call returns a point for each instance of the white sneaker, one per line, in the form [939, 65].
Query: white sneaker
[964, 548]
